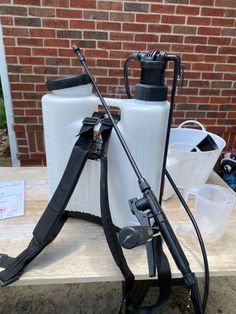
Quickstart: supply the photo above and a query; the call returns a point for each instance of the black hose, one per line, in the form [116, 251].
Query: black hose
[126, 75]
[199, 236]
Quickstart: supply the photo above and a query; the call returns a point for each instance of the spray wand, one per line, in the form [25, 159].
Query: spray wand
[149, 201]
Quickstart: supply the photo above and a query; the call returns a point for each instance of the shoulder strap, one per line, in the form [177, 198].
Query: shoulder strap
[54, 216]
[132, 295]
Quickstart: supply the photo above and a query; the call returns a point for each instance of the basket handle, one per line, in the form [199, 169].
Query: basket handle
[193, 122]
[183, 144]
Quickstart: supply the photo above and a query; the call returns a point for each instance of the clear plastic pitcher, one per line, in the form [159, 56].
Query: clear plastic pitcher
[212, 208]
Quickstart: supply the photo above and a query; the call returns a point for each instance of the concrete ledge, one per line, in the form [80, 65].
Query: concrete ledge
[104, 298]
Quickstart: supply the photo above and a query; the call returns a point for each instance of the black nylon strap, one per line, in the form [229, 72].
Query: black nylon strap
[106, 218]
[54, 217]
[131, 291]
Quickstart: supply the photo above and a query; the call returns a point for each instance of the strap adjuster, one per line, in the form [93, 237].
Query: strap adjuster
[91, 121]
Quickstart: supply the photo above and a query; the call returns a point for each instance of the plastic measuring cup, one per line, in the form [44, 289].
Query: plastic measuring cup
[212, 208]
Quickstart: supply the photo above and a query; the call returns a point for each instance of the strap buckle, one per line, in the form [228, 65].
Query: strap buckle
[91, 121]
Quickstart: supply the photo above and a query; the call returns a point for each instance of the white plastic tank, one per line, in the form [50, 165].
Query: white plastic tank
[143, 125]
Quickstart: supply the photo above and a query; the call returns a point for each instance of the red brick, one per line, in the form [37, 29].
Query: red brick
[27, 21]
[173, 19]
[110, 5]
[202, 67]
[134, 46]
[222, 100]
[225, 3]
[136, 27]
[28, 2]
[222, 22]
[199, 83]
[57, 43]
[230, 13]
[31, 60]
[107, 80]
[229, 32]
[230, 76]
[121, 36]
[206, 49]
[195, 40]
[69, 34]
[162, 8]
[216, 59]
[16, 32]
[198, 100]
[109, 45]
[95, 35]
[45, 70]
[209, 92]
[225, 67]
[195, 115]
[202, 2]
[13, 10]
[117, 16]
[209, 31]
[228, 92]
[207, 107]
[221, 84]
[109, 26]
[157, 46]
[19, 69]
[108, 63]
[29, 41]
[220, 41]
[34, 32]
[33, 112]
[96, 53]
[182, 48]
[172, 38]
[185, 30]
[212, 76]
[82, 24]
[55, 3]
[55, 23]
[6, 20]
[157, 28]
[9, 41]
[98, 15]
[147, 18]
[227, 50]
[44, 52]
[193, 20]
[88, 4]
[136, 7]
[146, 37]
[42, 12]
[20, 51]
[65, 13]
[207, 11]
[187, 10]
[84, 43]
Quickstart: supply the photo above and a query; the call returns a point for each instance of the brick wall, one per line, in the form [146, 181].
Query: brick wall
[38, 35]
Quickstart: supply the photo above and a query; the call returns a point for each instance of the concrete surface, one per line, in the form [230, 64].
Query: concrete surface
[104, 298]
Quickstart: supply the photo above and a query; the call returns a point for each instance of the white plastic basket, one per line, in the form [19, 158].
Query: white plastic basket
[194, 167]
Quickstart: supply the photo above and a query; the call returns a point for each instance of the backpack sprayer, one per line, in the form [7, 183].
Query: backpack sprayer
[148, 207]
[147, 224]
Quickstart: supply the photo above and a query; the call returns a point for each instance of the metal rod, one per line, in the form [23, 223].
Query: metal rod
[120, 136]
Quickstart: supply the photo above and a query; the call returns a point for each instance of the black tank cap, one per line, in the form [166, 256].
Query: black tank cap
[67, 81]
